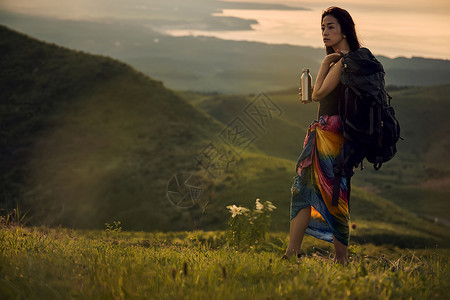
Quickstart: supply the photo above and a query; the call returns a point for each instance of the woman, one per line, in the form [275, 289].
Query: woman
[311, 208]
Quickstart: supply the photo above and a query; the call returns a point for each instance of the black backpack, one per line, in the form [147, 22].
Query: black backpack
[368, 120]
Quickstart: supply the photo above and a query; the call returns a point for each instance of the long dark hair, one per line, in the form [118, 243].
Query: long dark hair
[347, 27]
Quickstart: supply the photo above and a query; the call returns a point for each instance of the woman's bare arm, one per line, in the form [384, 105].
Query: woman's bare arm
[328, 77]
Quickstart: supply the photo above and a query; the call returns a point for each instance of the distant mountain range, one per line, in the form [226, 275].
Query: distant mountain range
[209, 64]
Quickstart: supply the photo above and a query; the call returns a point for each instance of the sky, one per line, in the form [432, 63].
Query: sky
[388, 27]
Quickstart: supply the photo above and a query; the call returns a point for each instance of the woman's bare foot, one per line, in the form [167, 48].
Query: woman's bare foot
[289, 253]
[341, 261]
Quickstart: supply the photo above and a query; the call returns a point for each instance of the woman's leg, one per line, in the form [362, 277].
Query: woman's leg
[341, 252]
[298, 227]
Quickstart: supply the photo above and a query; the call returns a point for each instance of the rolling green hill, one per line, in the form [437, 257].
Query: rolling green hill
[89, 140]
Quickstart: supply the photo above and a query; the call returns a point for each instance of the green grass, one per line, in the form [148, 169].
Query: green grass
[38, 263]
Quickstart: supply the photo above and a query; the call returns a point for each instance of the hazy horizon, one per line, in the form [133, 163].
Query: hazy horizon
[388, 28]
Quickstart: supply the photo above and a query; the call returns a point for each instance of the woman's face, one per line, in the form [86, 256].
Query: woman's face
[331, 31]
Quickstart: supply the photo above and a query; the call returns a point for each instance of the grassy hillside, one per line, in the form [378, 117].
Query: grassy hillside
[91, 140]
[422, 169]
[269, 176]
[379, 221]
[87, 139]
[416, 179]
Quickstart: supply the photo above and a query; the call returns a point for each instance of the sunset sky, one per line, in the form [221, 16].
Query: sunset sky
[392, 28]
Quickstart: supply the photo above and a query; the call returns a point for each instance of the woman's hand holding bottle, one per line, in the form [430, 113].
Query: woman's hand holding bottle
[300, 94]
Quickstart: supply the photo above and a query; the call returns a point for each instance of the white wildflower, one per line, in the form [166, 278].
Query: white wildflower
[237, 210]
[259, 206]
[234, 210]
[243, 210]
[270, 206]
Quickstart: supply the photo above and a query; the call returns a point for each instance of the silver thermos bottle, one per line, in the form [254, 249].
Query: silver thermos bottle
[306, 80]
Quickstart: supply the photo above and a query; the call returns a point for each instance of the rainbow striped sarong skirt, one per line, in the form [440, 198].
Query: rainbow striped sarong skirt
[313, 185]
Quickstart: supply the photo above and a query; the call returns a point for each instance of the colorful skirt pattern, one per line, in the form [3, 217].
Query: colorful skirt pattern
[313, 185]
